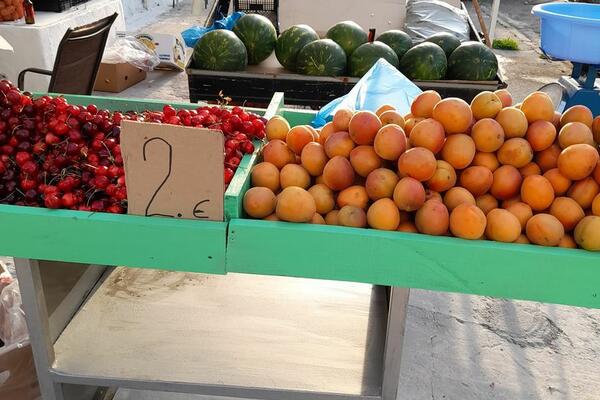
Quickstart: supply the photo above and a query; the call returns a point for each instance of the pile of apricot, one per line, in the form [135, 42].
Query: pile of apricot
[491, 170]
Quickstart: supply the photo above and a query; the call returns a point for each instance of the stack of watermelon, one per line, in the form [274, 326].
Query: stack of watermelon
[251, 42]
[346, 50]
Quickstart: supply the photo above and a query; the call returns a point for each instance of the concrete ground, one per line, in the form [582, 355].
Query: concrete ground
[461, 347]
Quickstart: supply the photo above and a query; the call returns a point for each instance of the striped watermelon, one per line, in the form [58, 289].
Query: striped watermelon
[447, 41]
[259, 36]
[367, 54]
[220, 50]
[291, 41]
[323, 57]
[347, 34]
[472, 61]
[425, 62]
[399, 41]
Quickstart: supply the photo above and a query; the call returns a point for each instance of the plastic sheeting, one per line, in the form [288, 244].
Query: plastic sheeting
[382, 84]
[193, 34]
[428, 17]
[129, 50]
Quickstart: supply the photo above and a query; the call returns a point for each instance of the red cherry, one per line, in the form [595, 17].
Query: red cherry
[68, 200]
[228, 175]
[52, 200]
[168, 111]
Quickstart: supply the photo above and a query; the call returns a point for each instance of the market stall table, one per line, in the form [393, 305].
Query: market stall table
[36, 45]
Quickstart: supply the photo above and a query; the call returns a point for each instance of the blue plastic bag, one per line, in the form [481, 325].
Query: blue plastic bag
[382, 84]
[193, 34]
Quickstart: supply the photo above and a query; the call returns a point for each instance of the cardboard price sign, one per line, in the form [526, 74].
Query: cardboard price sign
[173, 171]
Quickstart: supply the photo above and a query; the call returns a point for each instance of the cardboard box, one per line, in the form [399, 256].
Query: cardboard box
[16, 361]
[116, 77]
[169, 48]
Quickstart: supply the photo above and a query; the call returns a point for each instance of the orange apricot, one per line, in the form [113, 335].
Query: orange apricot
[506, 183]
[341, 119]
[422, 105]
[381, 183]
[338, 144]
[383, 214]
[587, 233]
[467, 221]
[392, 117]
[266, 175]
[530, 169]
[409, 194]
[454, 114]
[559, 182]
[352, 216]
[353, 196]
[505, 97]
[547, 159]
[432, 218]
[277, 128]
[429, 134]
[502, 226]
[516, 152]
[459, 151]
[488, 160]
[521, 210]
[259, 202]
[577, 113]
[313, 158]
[418, 163]
[363, 127]
[584, 191]
[567, 242]
[485, 105]
[390, 142]
[295, 205]
[298, 137]
[323, 197]
[538, 106]
[537, 191]
[364, 159]
[596, 205]
[338, 173]
[574, 133]
[578, 161]
[384, 108]
[294, 175]
[476, 180]
[513, 122]
[487, 135]
[443, 178]
[541, 135]
[278, 153]
[567, 211]
[545, 230]
[486, 203]
[332, 217]
[458, 195]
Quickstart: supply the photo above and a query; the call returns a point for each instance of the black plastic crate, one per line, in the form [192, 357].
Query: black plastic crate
[268, 8]
[55, 5]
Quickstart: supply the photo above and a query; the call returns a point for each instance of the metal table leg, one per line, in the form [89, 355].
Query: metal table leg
[398, 301]
[41, 334]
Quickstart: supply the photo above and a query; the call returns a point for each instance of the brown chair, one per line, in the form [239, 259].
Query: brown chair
[77, 59]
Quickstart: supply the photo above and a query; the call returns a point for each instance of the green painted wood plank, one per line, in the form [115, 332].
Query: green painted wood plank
[111, 239]
[514, 271]
[298, 117]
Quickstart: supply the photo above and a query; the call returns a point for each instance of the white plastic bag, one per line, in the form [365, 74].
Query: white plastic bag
[129, 50]
[13, 327]
[428, 17]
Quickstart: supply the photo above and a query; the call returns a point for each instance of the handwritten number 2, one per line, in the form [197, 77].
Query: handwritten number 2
[196, 212]
[164, 180]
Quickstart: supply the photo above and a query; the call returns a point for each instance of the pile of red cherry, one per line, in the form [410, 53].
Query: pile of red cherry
[57, 155]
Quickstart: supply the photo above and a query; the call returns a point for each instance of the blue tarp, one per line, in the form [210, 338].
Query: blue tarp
[191, 35]
[382, 84]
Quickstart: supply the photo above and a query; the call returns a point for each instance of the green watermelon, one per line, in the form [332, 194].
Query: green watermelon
[347, 34]
[323, 57]
[363, 58]
[259, 36]
[291, 41]
[220, 50]
[447, 41]
[424, 62]
[399, 41]
[472, 61]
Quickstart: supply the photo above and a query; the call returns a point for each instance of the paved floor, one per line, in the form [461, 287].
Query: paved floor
[460, 347]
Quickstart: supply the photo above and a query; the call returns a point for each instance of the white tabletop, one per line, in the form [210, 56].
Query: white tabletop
[4, 45]
[36, 45]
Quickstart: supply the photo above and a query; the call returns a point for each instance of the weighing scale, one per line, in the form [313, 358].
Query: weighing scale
[570, 31]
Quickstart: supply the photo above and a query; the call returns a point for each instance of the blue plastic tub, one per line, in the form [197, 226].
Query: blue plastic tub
[570, 31]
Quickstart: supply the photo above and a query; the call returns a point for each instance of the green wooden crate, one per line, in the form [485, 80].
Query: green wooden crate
[528, 272]
[100, 238]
